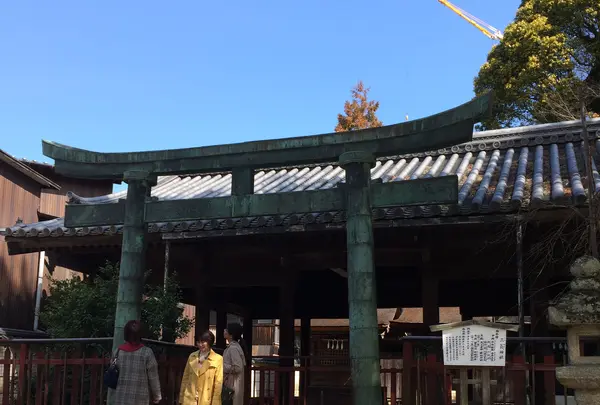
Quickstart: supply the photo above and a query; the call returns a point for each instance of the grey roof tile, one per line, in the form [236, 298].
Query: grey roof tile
[500, 171]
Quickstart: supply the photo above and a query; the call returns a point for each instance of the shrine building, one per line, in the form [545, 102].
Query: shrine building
[284, 230]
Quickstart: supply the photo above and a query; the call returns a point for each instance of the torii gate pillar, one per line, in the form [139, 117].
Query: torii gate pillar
[133, 252]
[362, 300]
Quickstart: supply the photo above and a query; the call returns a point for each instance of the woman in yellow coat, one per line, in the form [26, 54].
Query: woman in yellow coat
[202, 380]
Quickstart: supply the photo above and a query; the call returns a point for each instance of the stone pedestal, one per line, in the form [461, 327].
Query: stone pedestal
[579, 312]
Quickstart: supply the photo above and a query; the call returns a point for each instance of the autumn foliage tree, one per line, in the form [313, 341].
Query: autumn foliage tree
[551, 47]
[360, 112]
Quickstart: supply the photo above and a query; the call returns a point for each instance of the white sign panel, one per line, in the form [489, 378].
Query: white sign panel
[474, 345]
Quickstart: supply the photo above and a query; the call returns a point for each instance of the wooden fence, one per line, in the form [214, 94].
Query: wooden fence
[418, 376]
[70, 372]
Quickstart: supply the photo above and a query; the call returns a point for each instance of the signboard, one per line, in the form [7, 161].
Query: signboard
[474, 345]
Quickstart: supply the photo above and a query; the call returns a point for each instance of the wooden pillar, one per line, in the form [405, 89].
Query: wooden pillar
[539, 301]
[202, 310]
[221, 324]
[305, 352]
[364, 338]
[429, 293]
[133, 253]
[286, 335]
[248, 330]
[203, 296]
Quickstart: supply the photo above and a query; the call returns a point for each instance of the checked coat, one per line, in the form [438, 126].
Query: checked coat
[138, 378]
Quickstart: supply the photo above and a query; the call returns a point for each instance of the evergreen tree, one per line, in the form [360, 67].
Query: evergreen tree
[551, 47]
[359, 113]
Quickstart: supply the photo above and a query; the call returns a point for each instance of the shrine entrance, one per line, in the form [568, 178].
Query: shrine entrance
[355, 199]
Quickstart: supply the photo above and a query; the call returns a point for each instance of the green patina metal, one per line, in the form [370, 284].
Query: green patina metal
[362, 301]
[356, 152]
[444, 129]
[440, 190]
[131, 272]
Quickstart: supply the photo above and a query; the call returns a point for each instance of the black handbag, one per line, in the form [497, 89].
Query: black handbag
[111, 375]
[227, 396]
[226, 392]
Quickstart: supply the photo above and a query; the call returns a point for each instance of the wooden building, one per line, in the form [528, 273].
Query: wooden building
[31, 192]
[277, 264]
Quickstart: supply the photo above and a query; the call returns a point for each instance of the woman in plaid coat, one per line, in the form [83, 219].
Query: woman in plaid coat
[138, 372]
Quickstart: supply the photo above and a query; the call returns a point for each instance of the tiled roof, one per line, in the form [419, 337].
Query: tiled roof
[23, 167]
[500, 171]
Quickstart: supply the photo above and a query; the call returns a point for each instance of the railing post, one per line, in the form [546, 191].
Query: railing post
[7, 374]
[407, 364]
[23, 357]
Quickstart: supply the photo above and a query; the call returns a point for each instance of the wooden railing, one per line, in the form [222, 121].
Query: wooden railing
[417, 376]
[69, 371]
[528, 377]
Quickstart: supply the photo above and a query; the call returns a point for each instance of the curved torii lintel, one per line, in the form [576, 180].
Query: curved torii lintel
[441, 130]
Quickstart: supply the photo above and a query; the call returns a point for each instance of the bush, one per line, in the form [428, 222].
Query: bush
[85, 308]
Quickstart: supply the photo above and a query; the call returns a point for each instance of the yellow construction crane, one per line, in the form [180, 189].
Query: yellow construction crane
[488, 30]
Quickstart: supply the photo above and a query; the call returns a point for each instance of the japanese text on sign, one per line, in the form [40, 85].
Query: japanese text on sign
[474, 345]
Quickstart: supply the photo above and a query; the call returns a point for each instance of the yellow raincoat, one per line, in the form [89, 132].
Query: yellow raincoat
[202, 386]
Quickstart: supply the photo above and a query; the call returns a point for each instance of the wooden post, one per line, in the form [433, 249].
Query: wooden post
[286, 335]
[429, 293]
[305, 352]
[248, 329]
[520, 284]
[221, 323]
[364, 339]
[408, 390]
[539, 300]
[202, 311]
[133, 253]
[203, 296]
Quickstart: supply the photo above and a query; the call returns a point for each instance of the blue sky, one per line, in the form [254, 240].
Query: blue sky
[132, 75]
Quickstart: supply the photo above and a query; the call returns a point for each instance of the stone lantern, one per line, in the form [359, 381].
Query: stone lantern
[578, 310]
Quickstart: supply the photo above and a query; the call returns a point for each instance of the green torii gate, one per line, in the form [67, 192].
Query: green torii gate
[355, 151]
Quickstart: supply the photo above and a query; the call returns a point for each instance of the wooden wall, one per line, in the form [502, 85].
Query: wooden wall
[19, 198]
[52, 203]
[189, 311]
[22, 197]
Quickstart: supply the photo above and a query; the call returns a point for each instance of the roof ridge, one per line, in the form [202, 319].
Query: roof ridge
[528, 129]
[507, 138]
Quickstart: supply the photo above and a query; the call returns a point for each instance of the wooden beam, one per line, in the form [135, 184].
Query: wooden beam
[445, 129]
[438, 190]
[252, 277]
[319, 260]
